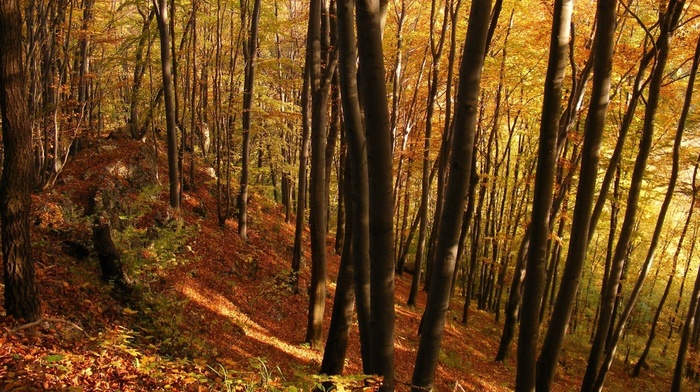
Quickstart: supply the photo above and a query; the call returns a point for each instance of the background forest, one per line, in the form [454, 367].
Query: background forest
[237, 195]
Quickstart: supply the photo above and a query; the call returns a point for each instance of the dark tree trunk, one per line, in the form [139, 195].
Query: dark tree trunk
[455, 196]
[21, 292]
[302, 175]
[595, 373]
[542, 203]
[250, 55]
[137, 132]
[595, 121]
[357, 163]
[108, 254]
[169, 94]
[343, 304]
[379, 164]
[665, 205]
[690, 320]
[318, 210]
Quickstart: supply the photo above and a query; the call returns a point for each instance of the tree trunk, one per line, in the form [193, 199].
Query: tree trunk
[379, 165]
[542, 203]
[596, 369]
[357, 163]
[664, 208]
[341, 319]
[169, 94]
[249, 55]
[110, 260]
[21, 292]
[595, 121]
[320, 84]
[455, 196]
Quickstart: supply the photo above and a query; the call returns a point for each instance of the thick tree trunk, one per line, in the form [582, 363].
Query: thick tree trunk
[343, 304]
[379, 164]
[357, 163]
[455, 196]
[542, 203]
[595, 121]
[21, 292]
[110, 260]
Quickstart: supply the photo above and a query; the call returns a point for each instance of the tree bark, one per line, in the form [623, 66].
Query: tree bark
[249, 55]
[379, 167]
[593, 132]
[21, 292]
[455, 196]
[169, 94]
[343, 303]
[542, 203]
[357, 163]
[596, 370]
[664, 208]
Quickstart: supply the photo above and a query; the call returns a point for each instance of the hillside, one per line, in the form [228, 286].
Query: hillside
[209, 311]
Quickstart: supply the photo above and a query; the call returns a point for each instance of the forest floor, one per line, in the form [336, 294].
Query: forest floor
[212, 312]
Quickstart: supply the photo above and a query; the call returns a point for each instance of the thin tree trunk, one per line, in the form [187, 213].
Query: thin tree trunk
[664, 209]
[596, 369]
[320, 83]
[249, 55]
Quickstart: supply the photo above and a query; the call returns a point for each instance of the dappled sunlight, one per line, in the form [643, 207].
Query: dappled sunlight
[219, 304]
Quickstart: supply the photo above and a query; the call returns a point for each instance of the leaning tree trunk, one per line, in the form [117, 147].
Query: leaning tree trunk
[595, 121]
[596, 369]
[455, 197]
[690, 321]
[21, 292]
[542, 203]
[302, 174]
[664, 209]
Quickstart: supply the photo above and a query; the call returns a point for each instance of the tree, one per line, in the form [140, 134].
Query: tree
[341, 319]
[596, 369]
[465, 124]
[595, 121]
[21, 292]
[162, 17]
[542, 203]
[320, 83]
[358, 200]
[250, 55]
[379, 166]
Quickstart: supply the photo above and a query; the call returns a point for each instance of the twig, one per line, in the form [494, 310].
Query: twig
[50, 320]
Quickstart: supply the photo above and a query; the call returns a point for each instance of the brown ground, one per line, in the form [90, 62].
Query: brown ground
[227, 304]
